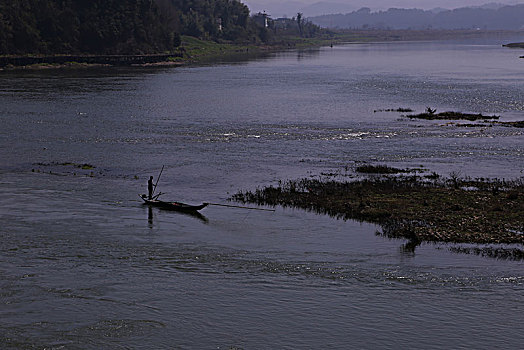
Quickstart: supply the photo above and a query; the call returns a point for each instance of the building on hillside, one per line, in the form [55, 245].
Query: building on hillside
[283, 23]
[261, 19]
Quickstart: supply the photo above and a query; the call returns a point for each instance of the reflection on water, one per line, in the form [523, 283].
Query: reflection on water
[84, 264]
[150, 216]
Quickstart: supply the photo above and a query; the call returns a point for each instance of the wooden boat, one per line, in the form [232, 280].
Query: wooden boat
[176, 206]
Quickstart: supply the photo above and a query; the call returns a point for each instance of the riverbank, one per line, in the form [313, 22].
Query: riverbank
[420, 208]
[193, 50]
[58, 61]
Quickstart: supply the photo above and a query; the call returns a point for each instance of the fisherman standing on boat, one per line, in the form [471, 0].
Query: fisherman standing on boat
[150, 187]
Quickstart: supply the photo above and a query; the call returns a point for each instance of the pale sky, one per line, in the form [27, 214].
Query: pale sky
[278, 8]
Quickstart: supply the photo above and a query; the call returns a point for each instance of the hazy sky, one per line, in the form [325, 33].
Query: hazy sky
[277, 8]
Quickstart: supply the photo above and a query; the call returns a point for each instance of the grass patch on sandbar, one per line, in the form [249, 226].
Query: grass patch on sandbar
[417, 208]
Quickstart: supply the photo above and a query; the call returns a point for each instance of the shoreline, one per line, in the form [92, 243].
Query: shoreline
[194, 51]
[38, 62]
[84, 59]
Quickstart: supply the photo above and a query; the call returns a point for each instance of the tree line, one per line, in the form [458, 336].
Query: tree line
[119, 26]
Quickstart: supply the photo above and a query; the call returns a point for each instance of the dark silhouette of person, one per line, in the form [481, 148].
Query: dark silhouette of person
[150, 187]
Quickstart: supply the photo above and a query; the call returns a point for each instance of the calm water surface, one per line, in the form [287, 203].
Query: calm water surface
[84, 265]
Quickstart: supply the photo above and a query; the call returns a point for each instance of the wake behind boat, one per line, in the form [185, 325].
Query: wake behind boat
[177, 206]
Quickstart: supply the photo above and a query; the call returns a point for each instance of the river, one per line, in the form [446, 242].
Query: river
[84, 265]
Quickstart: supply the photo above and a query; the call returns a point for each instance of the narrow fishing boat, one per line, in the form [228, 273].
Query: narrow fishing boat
[177, 206]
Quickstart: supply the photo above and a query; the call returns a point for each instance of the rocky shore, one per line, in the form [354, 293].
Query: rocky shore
[420, 208]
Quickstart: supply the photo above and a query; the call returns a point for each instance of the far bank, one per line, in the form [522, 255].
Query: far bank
[193, 50]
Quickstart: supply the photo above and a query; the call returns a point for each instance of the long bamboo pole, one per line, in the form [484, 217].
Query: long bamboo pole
[158, 179]
[238, 206]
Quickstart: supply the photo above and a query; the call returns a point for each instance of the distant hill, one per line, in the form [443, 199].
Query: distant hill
[490, 17]
[310, 8]
[326, 7]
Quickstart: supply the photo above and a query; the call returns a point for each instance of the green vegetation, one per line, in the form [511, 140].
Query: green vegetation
[49, 34]
[418, 208]
[194, 49]
[119, 26]
[75, 26]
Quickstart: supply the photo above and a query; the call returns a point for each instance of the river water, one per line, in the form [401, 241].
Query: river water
[84, 265]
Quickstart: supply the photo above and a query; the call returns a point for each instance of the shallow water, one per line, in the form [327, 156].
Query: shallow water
[84, 265]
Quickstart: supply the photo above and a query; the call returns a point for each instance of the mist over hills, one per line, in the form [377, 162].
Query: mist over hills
[489, 17]
[311, 8]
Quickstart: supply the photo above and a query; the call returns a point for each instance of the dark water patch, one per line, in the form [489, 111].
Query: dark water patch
[78, 169]
[155, 261]
[84, 166]
[516, 124]
[66, 168]
[117, 328]
[20, 337]
[346, 271]
[109, 333]
[384, 169]
[471, 125]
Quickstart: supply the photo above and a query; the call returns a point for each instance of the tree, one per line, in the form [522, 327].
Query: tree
[121, 26]
[299, 22]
